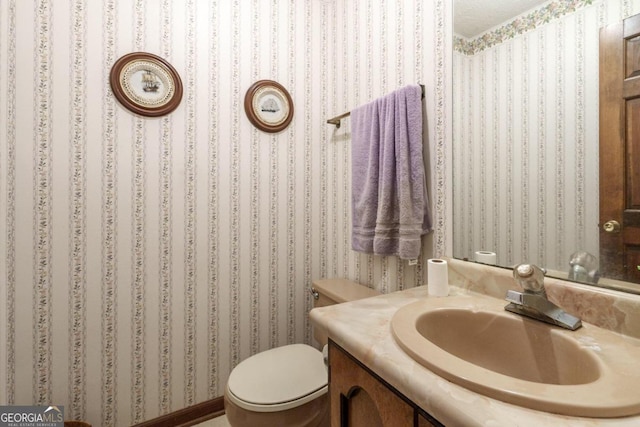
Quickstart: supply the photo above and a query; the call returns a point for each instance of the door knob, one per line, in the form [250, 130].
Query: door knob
[612, 226]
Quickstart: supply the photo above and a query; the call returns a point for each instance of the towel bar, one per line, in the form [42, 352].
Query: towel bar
[337, 119]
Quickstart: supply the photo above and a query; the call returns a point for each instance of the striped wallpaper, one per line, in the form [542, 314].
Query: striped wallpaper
[525, 132]
[142, 259]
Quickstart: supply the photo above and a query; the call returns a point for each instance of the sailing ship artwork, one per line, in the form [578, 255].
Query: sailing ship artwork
[150, 82]
[146, 84]
[270, 106]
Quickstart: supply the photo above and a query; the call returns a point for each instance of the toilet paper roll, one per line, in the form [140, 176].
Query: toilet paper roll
[486, 257]
[437, 277]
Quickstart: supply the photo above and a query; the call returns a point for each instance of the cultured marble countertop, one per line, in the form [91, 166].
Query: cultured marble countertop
[363, 328]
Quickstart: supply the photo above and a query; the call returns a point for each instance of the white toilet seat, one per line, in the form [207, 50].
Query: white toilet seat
[278, 379]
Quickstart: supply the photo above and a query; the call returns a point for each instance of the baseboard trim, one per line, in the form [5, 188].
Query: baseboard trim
[188, 416]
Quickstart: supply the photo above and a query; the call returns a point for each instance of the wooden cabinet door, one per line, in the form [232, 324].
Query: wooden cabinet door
[620, 150]
[358, 399]
[424, 421]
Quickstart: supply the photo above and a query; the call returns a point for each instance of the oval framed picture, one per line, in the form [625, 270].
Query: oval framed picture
[268, 106]
[146, 84]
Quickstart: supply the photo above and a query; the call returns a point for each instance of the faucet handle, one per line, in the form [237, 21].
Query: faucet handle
[530, 278]
[524, 270]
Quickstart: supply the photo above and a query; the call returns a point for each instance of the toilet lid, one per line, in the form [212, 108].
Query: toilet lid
[280, 375]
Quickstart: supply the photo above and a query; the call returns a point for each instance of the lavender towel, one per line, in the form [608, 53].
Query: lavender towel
[389, 196]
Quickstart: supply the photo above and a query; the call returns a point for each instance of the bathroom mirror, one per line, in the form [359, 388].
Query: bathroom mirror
[525, 132]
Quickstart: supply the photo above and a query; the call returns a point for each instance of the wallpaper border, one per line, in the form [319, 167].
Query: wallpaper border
[520, 25]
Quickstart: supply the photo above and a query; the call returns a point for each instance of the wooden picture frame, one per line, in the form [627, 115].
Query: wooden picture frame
[269, 106]
[146, 84]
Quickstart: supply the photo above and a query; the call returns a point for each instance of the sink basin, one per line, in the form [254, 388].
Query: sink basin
[473, 342]
[509, 346]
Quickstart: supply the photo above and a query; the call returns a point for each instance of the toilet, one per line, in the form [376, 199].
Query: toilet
[288, 385]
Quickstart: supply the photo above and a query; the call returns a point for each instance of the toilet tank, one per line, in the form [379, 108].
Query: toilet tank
[335, 291]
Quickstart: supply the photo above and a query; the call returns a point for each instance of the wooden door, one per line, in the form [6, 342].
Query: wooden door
[620, 150]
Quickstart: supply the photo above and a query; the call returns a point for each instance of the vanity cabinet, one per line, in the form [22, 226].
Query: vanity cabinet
[424, 422]
[359, 398]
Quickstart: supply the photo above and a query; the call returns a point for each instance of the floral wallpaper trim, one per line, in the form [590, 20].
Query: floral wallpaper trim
[109, 226]
[190, 209]
[520, 25]
[78, 235]
[11, 187]
[42, 184]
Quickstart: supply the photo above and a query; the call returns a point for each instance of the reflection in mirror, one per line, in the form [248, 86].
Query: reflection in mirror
[525, 150]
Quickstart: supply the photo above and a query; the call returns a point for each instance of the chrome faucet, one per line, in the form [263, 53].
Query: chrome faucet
[533, 301]
[583, 267]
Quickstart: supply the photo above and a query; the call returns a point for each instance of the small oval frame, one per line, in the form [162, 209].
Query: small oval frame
[263, 91]
[163, 76]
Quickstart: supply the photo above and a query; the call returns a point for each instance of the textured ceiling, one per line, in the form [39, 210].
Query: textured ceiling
[474, 17]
